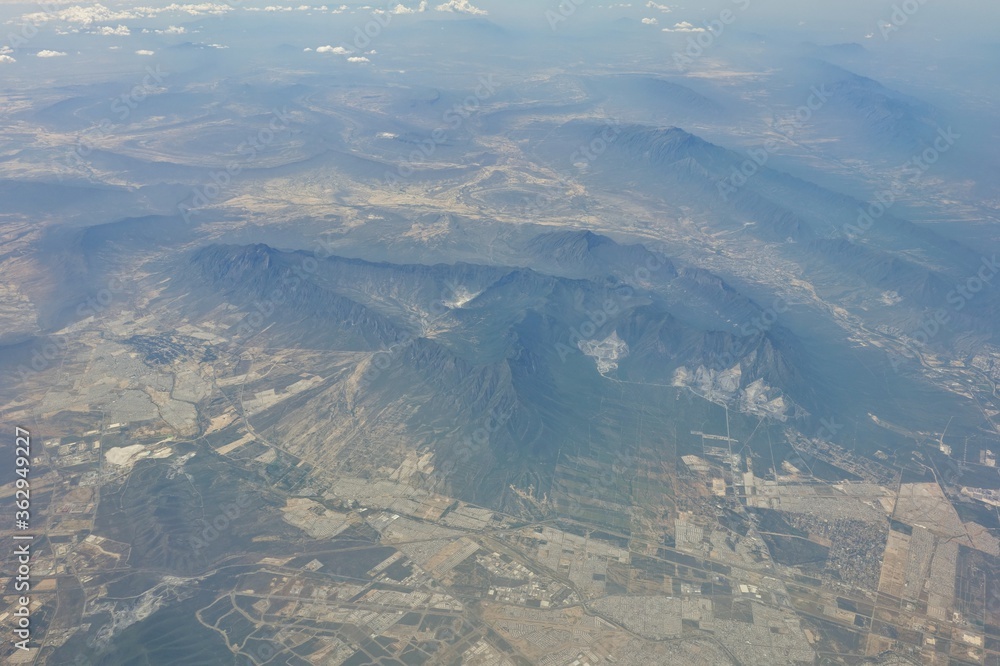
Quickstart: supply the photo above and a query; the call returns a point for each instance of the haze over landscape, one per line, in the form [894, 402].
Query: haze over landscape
[500, 333]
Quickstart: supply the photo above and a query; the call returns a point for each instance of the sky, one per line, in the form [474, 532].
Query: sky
[144, 27]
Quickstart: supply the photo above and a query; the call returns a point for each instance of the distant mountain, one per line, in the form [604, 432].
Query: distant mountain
[871, 112]
[304, 311]
[822, 231]
[885, 271]
[468, 342]
[668, 162]
[654, 99]
[586, 254]
[849, 50]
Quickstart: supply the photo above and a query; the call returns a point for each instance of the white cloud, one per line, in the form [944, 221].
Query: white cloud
[683, 26]
[120, 31]
[173, 30]
[403, 9]
[337, 50]
[50, 54]
[656, 5]
[5, 50]
[144, 52]
[649, 21]
[6, 58]
[194, 9]
[97, 13]
[83, 15]
[358, 59]
[218, 46]
[460, 6]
